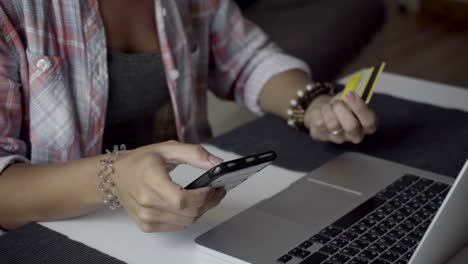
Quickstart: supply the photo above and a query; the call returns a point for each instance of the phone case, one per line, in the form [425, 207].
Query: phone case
[230, 174]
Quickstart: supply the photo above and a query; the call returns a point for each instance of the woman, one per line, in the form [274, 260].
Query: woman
[77, 77]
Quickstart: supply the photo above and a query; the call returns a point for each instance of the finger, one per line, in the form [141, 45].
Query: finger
[132, 206]
[318, 122]
[172, 195]
[194, 155]
[157, 184]
[317, 127]
[192, 208]
[156, 215]
[336, 98]
[162, 221]
[170, 166]
[317, 135]
[338, 139]
[159, 227]
[216, 199]
[159, 190]
[333, 125]
[196, 198]
[331, 121]
[161, 205]
[348, 121]
[366, 116]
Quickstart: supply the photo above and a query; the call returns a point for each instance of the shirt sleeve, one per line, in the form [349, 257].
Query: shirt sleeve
[243, 58]
[12, 149]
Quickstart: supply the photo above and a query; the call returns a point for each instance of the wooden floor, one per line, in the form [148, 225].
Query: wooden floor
[421, 47]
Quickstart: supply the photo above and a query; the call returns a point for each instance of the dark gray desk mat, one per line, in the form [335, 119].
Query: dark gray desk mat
[418, 135]
[36, 244]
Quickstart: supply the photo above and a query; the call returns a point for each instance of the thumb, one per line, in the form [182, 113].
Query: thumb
[195, 155]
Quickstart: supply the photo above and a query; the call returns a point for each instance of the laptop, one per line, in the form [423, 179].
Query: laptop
[355, 209]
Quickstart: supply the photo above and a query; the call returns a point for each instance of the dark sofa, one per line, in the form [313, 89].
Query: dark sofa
[327, 34]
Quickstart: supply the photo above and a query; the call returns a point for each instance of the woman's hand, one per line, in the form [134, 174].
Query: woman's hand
[338, 121]
[151, 198]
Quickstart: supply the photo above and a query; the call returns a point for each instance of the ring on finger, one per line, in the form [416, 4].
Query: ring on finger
[336, 132]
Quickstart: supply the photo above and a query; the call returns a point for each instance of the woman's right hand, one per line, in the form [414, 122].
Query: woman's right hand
[151, 198]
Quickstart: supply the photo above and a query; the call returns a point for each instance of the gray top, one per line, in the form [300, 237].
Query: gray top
[137, 90]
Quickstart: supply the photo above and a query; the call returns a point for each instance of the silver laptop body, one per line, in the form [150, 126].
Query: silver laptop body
[335, 194]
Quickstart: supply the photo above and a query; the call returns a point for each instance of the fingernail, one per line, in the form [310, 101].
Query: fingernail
[351, 96]
[211, 192]
[215, 160]
[221, 192]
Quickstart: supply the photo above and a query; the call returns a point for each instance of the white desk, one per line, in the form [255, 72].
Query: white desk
[115, 234]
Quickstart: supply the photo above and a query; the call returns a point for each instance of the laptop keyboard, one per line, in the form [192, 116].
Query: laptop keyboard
[385, 229]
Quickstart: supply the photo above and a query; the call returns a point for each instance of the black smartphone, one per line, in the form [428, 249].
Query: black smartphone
[229, 174]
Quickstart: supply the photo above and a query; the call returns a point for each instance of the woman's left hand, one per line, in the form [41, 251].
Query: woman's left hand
[338, 121]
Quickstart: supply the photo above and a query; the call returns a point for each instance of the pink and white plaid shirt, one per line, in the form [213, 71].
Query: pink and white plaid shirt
[54, 82]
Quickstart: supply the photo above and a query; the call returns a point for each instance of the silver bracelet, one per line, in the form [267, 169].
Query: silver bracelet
[105, 174]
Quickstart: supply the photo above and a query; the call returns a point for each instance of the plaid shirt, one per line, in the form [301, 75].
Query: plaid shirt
[54, 78]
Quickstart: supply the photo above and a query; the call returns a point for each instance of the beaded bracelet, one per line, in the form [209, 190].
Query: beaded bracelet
[304, 98]
[105, 174]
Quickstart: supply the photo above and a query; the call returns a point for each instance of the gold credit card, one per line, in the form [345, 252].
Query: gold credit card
[353, 85]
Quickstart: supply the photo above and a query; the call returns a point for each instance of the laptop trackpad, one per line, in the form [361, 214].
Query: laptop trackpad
[312, 203]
